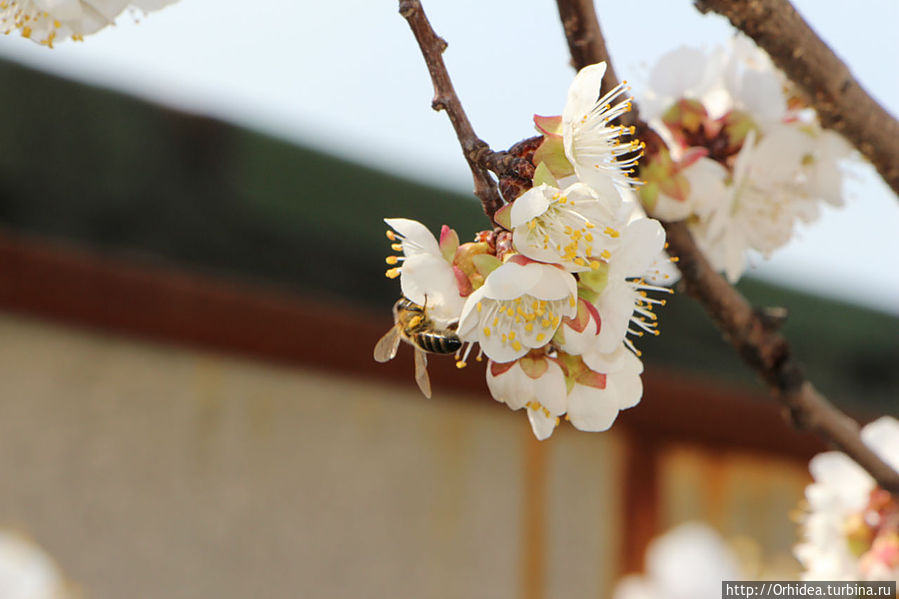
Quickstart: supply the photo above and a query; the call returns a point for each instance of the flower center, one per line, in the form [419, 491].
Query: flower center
[568, 232]
[525, 319]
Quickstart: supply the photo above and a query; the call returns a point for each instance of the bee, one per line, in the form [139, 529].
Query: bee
[412, 325]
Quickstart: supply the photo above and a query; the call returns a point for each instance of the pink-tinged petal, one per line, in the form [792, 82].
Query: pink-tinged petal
[591, 409]
[597, 380]
[584, 92]
[531, 204]
[463, 283]
[541, 424]
[551, 153]
[549, 125]
[417, 238]
[449, 243]
[534, 367]
[580, 320]
[498, 368]
[485, 264]
[675, 187]
[503, 217]
[520, 260]
[690, 156]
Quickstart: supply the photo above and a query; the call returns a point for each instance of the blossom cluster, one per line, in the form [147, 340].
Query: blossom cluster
[552, 293]
[49, 21]
[740, 156]
[851, 528]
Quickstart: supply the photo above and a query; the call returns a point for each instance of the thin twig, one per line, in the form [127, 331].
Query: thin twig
[753, 335]
[445, 98]
[841, 103]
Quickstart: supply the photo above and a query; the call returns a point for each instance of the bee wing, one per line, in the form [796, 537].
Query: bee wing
[421, 372]
[385, 348]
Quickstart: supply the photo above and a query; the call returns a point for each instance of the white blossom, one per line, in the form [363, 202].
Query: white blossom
[591, 144]
[426, 276]
[688, 562]
[519, 307]
[26, 572]
[574, 228]
[593, 407]
[738, 77]
[760, 205]
[49, 21]
[537, 384]
[851, 530]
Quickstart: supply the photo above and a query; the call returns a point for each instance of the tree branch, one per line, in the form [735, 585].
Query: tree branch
[842, 104]
[445, 98]
[752, 333]
[585, 42]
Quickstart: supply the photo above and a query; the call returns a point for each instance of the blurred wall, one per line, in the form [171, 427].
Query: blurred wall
[150, 471]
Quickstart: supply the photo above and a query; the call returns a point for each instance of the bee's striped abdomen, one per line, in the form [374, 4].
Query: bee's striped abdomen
[438, 342]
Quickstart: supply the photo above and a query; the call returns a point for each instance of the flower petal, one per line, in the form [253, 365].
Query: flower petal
[417, 238]
[542, 425]
[591, 409]
[583, 92]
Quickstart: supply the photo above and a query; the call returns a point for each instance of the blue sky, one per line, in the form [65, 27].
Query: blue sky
[347, 77]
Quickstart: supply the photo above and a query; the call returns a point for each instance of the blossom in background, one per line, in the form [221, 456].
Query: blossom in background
[519, 307]
[740, 77]
[745, 161]
[851, 529]
[688, 562]
[49, 21]
[26, 572]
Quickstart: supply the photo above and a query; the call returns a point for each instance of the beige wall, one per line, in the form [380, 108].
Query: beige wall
[751, 499]
[152, 471]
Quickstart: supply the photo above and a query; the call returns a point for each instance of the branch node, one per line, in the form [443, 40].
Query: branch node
[408, 8]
